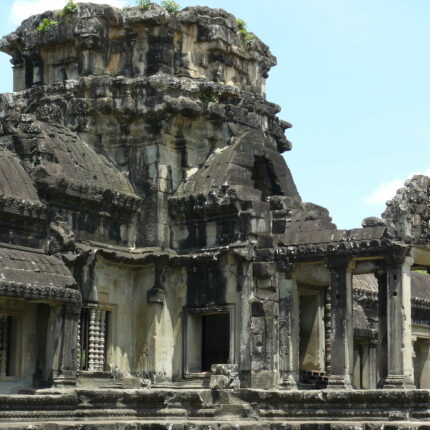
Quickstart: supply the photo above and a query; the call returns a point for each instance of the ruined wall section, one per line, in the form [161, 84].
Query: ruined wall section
[196, 42]
[407, 214]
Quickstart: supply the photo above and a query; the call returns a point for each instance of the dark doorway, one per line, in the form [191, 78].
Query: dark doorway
[215, 340]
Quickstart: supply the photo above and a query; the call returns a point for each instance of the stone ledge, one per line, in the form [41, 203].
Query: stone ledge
[199, 425]
[111, 405]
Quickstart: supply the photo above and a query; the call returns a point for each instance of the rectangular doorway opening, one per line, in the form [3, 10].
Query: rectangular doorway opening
[208, 340]
[215, 340]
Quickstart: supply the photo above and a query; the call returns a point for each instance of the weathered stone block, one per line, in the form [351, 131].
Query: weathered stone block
[224, 376]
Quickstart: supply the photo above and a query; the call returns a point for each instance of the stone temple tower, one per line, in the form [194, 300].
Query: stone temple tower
[156, 259]
[152, 93]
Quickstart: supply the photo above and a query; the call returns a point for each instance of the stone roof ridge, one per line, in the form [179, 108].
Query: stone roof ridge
[57, 158]
[231, 167]
[18, 194]
[29, 269]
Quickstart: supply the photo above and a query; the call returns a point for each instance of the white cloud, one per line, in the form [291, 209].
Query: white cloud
[22, 9]
[386, 190]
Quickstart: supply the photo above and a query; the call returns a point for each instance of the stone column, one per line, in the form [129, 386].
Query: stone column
[244, 282]
[342, 329]
[4, 335]
[288, 328]
[382, 349]
[395, 323]
[264, 327]
[62, 343]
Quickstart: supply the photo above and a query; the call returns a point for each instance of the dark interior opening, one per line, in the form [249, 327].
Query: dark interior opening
[359, 365]
[265, 179]
[215, 340]
[29, 71]
[84, 338]
[9, 347]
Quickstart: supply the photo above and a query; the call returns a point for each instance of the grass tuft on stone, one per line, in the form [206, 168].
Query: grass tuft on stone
[46, 24]
[171, 6]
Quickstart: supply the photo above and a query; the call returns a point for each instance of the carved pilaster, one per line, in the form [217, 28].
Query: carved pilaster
[65, 349]
[288, 327]
[342, 328]
[395, 324]
[157, 293]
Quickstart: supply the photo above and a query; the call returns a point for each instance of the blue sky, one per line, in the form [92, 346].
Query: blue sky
[353, 78]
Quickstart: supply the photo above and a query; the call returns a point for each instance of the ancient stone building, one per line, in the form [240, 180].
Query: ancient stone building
[156, 260]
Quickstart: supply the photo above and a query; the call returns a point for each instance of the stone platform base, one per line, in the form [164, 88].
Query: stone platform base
[236, 425]
[203, 409]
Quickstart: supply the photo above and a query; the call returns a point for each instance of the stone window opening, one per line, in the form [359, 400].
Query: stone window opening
[93, 336]
[8, 345]
[265, 179]
[208, 340]
[33, 72]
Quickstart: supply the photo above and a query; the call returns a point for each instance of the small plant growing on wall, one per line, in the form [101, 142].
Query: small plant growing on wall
[242, 30]
[208, 98]
[144, 4]
[68, 10]
[46, 24]
[171, 6]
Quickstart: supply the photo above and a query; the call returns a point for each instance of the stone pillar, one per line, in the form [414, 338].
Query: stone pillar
[288, 329]
[244, 282]
[396, 362]
[4, 345]
[327, 331]
[264, 327]
[62, 343]
[342, 351]
[382, 350]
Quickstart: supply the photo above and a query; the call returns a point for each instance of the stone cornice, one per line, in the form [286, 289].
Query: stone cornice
[39, 292]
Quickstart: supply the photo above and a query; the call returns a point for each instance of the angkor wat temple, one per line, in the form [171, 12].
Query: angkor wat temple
[158, 268]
